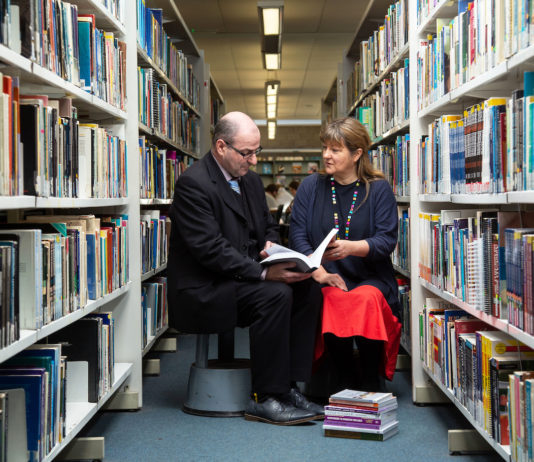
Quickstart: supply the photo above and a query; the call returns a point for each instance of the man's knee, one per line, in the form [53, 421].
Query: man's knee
[281, 292]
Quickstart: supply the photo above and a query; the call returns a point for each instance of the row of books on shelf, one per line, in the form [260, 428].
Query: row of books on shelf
[401, 255]
[330, 112]
[488, 371]
[53, 35]
[217, 110]
[483, 258]
[48, 152]
[457, 52]
[393, 161]
[171, 117]
[389, 105]
[102, 63]
[154, 306]
[155, 232]
[39, 385]
[160, 168]
[379, 50]
[487, 149]
[361, 415]
[266, 168]
[160, 48]
[405, 312]
[53, 264]
[116, 8]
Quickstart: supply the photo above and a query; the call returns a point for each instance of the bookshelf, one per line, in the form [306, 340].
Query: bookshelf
[166, 151]
[281, 166]
[217, 104]
[36, 79]
[118, 196]
[491, 72]
[329, 107]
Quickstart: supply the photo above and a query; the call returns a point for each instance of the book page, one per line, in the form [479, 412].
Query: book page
[317, 256]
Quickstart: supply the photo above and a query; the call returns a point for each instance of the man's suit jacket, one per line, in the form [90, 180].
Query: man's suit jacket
[208, 246]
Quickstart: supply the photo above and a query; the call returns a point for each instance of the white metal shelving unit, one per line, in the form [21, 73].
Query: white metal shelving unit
[122, 302]
[500, 80]
[79, 414]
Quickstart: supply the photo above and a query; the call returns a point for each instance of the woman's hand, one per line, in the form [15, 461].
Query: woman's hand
[338, 249]
[330, 279]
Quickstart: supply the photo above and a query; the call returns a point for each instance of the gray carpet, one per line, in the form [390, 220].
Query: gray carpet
[160, 431]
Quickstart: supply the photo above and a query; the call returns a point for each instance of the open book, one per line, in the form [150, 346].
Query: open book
[280, 254]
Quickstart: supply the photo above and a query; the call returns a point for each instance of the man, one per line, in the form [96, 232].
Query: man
[220, 228]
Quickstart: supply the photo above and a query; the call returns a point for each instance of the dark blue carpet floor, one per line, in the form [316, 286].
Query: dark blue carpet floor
[161, 431]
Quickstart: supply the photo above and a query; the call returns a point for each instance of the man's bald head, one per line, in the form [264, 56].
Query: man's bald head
[233, 124]
[236, 140]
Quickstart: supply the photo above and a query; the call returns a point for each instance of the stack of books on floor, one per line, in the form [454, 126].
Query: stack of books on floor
[361, 415]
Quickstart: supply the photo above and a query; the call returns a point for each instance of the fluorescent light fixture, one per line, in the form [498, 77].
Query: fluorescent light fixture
[272, 21]
[272, 87]
[270, 16]
[272, 61]
[271, 129]
[271, 97]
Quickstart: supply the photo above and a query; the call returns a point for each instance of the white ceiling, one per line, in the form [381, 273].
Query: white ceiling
[315, 35]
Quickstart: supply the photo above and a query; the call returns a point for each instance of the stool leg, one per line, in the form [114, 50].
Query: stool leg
[226, 345]
[201, 355]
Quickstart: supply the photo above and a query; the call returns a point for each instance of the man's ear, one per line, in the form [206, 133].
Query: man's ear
[219, 146]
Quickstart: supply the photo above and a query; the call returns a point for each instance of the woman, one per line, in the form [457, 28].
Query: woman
[359, 287]
[271, 190]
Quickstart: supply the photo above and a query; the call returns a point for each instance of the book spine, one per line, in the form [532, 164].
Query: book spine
[353, 435]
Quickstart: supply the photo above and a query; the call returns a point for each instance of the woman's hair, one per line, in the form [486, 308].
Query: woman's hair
[351, 133]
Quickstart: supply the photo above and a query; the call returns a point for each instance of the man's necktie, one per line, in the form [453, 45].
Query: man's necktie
[235, 186]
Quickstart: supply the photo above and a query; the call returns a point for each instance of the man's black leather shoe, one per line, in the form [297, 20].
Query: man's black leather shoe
[297, 399]
[277, 412]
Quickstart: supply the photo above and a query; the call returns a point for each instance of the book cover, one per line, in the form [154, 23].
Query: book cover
[81, 342]
[367, 398]
[359, 424]
[32, 381]
[337, 433]
[361, 433]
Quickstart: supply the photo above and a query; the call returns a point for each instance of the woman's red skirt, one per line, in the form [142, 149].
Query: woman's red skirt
[364, 312]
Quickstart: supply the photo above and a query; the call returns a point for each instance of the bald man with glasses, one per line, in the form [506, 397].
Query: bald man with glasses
[220, 229]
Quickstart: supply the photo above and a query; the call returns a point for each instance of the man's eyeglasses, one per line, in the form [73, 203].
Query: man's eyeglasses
[246, 155]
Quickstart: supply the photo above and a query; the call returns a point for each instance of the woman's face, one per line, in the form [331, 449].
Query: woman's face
[338, 160]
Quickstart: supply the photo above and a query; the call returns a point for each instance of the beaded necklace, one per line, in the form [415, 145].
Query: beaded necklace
[351, 211]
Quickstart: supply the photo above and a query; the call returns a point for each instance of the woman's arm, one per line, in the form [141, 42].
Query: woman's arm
[386, 222]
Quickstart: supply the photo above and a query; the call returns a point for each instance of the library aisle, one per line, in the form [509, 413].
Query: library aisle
[162, 431]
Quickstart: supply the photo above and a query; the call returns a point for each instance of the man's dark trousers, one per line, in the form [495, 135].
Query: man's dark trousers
[282, 322]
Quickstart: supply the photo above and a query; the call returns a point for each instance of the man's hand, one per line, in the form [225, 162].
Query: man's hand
[281, 272]
[263, 253]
